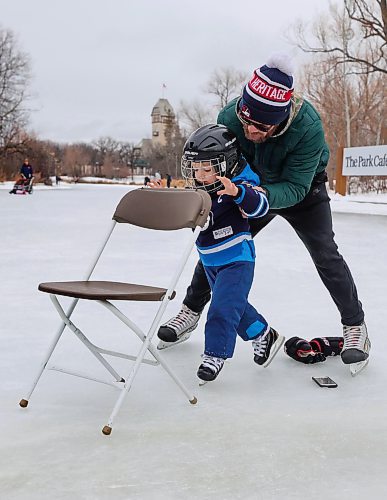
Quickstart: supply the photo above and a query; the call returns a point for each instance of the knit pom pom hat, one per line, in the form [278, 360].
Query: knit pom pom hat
[266, 97]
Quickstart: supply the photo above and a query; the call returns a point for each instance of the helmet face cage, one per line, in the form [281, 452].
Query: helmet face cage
[200, 173]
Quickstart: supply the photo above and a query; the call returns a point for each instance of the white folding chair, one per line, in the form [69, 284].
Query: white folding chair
[163, 209]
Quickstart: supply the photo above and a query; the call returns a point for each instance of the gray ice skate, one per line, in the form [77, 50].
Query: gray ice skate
[178, 329]
[356, 348]
[182, 338]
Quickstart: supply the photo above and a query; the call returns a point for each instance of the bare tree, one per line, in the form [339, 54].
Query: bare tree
[105, 146]
[359, 39]
[14, 74]
[352, 102]
[225, 84]
[167, 158]
[77, 158]
[371, 16]
[195, 114]
[349, 108]
[127, 155]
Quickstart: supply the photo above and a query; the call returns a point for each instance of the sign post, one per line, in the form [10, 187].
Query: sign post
[341, 181]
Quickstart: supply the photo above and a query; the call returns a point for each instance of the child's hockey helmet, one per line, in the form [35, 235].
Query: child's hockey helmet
[215, 146]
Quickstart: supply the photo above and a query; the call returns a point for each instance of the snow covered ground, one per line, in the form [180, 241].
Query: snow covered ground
[254, 434]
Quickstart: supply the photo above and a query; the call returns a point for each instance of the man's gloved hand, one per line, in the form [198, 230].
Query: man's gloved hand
[301, 350]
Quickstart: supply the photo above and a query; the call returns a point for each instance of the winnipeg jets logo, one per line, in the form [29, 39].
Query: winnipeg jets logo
[209, 222]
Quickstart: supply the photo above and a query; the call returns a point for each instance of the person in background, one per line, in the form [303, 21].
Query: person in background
[26, 171]
[25, 181]
[282, 138]
[169, 180]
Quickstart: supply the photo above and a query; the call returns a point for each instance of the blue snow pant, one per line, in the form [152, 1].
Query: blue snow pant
[230, 314]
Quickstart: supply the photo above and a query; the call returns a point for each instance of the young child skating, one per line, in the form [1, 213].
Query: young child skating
[212, 161]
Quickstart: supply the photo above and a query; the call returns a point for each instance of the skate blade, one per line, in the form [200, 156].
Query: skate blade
[166, 345]
[276, 347]
[204, 382]
[356, 368]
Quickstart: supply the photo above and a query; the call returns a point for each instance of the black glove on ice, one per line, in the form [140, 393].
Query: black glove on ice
[301, 350]
[329, 346]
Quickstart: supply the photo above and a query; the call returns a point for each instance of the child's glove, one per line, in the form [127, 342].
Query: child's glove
[301, 350]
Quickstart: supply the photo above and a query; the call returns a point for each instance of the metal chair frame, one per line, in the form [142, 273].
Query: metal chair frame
[154, 201]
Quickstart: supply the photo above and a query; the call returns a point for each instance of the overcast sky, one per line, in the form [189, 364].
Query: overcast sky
[98, 65]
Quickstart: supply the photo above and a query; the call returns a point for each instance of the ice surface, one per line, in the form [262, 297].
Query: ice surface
[254, 434]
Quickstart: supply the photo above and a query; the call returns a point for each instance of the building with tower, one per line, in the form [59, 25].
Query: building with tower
[164, 128]
[163, 122]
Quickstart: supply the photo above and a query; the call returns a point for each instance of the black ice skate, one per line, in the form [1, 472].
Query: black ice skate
[178, 329]
[210, 368]
[266, 347]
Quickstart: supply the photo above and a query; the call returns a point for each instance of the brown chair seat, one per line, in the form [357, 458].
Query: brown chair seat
[104, 290]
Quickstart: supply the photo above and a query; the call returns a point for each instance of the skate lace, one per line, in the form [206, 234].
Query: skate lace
[259, 345]
[183, 319]
[215, 364]
[354, 336]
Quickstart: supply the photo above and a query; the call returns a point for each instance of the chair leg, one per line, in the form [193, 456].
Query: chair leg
[107, 429]
[24, 402]
[146, 346]
[192, 399]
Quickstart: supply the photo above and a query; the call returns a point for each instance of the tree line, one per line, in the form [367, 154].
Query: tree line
[344, 78]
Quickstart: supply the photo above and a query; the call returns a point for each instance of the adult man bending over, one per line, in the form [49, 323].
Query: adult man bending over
[282, 138]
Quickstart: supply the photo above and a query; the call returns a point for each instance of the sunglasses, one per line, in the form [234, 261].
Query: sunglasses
[259, 126]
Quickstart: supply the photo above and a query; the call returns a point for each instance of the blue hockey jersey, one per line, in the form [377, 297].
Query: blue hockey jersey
[226, 237]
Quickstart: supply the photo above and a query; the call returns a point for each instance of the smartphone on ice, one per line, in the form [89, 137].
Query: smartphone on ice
[324, 381]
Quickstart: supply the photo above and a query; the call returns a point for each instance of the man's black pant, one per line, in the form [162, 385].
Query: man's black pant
[312, 221]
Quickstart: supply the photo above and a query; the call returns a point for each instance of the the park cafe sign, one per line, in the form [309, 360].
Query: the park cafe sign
[367, 160]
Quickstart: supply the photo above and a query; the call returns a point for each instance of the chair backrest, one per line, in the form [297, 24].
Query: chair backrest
[165, 209]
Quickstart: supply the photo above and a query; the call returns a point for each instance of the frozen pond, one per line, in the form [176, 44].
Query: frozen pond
[254, 434]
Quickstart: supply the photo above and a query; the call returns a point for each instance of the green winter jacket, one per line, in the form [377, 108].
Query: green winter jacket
[287, 162]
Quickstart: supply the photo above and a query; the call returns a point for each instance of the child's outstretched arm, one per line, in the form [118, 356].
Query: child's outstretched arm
[251, 200]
